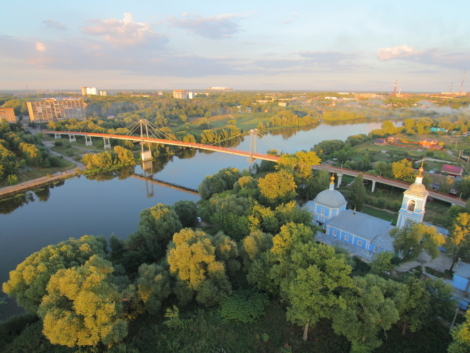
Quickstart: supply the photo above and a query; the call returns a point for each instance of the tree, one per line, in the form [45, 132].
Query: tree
[187, 213]
[403, 170]
[192, 260]
[253, 246]
[153, 286]
[84, 306]
[461, 336]
[372, 307]
[229, 213]
[316, 184]
[300, 163]
[413, 238]
[156, 227]
[382, 262]
[277, 187]
[311, 277]
[124, 155]
[28, 282]
[219, 182]
[358, 193]
[457, 243]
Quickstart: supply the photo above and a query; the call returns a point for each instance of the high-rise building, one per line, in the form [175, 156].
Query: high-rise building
[103, 93]
[53, 109]
[180, 94]
[83, 91]
[8, 114]
[91, 91]
[191, 95]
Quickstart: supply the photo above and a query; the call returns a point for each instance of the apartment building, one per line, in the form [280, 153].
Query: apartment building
[8, 114]
[54, 109]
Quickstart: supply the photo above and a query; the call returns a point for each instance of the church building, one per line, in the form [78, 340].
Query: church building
[361, 234]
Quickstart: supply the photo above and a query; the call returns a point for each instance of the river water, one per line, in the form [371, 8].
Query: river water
[112, 205]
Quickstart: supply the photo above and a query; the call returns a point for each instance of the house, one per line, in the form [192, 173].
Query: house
[429, 144]
[461, 283]
[393, 139]
[380, 142]
[438, 129]
[452, 170]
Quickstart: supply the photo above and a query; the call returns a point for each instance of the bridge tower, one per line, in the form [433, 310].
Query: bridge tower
[144, 132]
[253, 140]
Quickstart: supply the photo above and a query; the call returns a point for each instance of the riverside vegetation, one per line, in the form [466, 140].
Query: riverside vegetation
[251, 279]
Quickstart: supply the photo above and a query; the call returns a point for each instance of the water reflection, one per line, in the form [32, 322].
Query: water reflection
[19, 200]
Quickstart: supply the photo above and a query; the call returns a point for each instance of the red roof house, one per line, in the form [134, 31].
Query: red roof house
[452, 170]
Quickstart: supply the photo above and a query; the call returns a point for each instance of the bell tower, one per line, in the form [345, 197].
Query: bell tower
[414, 201]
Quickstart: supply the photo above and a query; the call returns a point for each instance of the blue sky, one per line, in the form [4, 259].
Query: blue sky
[266, 45]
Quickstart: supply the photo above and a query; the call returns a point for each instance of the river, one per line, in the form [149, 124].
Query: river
[105, 206]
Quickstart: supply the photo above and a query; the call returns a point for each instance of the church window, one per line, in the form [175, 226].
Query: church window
[376, 248]
[359, 243]
[334, 233]
[411, 205]
[322, 211]
[346, 237]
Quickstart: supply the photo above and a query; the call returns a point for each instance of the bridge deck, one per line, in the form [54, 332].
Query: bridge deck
[399, 184]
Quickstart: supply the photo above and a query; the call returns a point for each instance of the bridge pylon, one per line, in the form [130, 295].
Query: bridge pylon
[144, 132]
[253, 141]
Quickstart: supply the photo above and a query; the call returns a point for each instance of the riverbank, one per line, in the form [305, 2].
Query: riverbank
[32, 184]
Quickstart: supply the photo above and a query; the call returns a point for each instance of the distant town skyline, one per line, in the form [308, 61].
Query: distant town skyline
[247, 45]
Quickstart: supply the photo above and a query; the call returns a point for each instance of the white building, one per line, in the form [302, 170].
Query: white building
[91, 91]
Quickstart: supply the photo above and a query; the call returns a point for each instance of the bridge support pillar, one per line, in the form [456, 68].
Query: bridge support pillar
[57, 136]
[146, 155]
[373, 185]
[340, 179]
[106, 143]
[88, 141]
[147, 165]
[72, 138]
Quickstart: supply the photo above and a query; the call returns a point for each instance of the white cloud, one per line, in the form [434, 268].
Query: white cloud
[123, 32]
[403, 51]
[212, 27]
[289, 19]
[436, 57]
[40, 46]
[54, 24]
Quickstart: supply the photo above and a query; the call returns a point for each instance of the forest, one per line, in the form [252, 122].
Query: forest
[249, 277]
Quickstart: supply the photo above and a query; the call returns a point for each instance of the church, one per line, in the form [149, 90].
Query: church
[361, 234]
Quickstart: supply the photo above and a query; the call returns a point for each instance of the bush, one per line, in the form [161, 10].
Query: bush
[69, 152]
[244, 306]
[58, 143]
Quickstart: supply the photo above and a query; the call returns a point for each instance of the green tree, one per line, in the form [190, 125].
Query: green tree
[358, 193]
[187, 212]
[192, 260]
[229, 213]
[373, 307]
[413, 238]
[83, 306]
[457, 243]
[219, 182]
[278, 187]
[461, 336]
[28, 282]
[156, 227]
[382, 262]
[153, 286]
[311, 277]
[124, 155]
[319, 182]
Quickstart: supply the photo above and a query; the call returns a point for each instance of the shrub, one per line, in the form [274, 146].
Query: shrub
[244, 306]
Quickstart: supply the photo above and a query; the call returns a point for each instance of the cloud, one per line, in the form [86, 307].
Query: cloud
[212, 27]
[40, 46]
[90, 54]
[437, 57]
[54, 25]
[403, 51]
[125, 32]
[289, 19]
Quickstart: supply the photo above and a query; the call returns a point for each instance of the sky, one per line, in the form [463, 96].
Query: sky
[338, 45]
